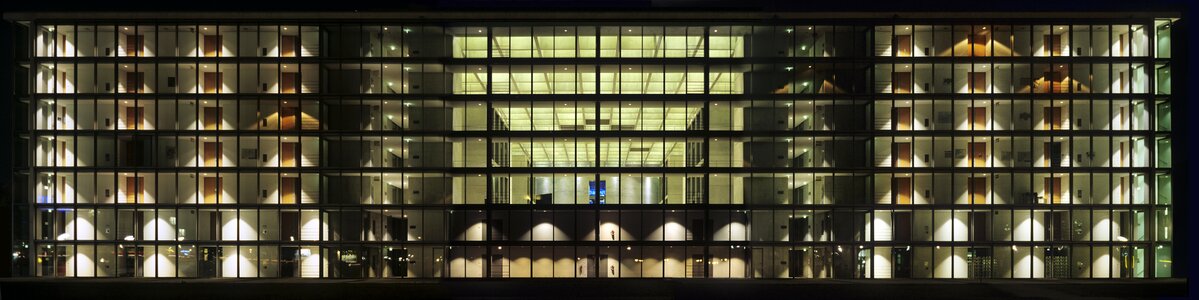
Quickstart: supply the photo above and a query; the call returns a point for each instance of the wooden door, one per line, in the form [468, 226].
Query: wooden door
[901, 82]
[212, 82]
[134, 188]
[903, 189]
[977, 116]
[212, 45]
[903, 44]
[212, 187]
[287, 118]
[287, 154]
[978, 154]
[901, 118]
[134, 44]
[901, 155]
[978, 44]
[902, 231]
[1053, 154]
[212, 118]
[212, 154]
[134, 82]
[1053, 190]
[1054, 83]
[977, 82]
[1053, 44]
[288, 82]
[134, 116]
[978, 190]
[287, 187]
[287, 45]
[1053, 118]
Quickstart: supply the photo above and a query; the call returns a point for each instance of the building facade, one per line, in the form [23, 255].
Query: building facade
[593, 145]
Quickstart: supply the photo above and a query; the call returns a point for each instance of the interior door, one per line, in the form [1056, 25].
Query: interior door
[903, 44]
[901, 82]
[287, 45]
[134, 188]
[978, 44]
[212, 82]
[1053, 154]
[1054, 83]
[903, 226]
[978, 190]
[978, 154]
[901, 155]
[134, 117]
[287, 154]
[901, 117]
[212, 154]
[288, 82]
[212, 45]
[212, 187]
[134, 82]
[287, 117]
[797, 229]
[1053, 118]
[795, 263]
[977, 117]
[212, 118]
[903, 190]
[287, 190]
[981, 226]
[1053, 190]
[134, 44]
[977, 82]
[1053, 44]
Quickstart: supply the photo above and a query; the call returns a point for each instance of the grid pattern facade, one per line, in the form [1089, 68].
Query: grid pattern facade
[858, 148]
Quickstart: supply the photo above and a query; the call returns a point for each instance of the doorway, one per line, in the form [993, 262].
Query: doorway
[288, 81]
[978, 154]
[901, 155]
[134, 189]
[1053, 118]
[287, 154]
[977, 82]
[287, 187]
[795, 263]
[212, 118]
[134, 44]
[212, 45]
[134, 82]
[901, 82]
[903, 45]
[212, 82]
[978, 190]
[977, 118]
[1054, 83]
[288, 45]
[212, 154]
[797, 229]
[901, 262]
[134, 116]
[287, 117]
[903, 190]
[1053, 190]
[901, 118]
[1053, 154]
[212, 189]
[1053, 44]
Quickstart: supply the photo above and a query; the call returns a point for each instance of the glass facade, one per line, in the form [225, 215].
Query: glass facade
[857, 148]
